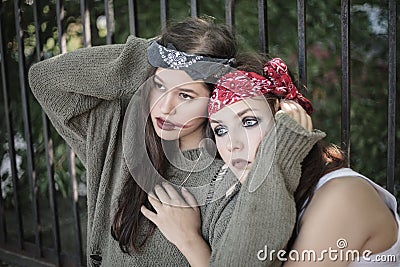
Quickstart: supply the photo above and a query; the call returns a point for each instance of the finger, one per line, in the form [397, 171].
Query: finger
[157, 205]
[161, 194]
[189, 198]
[300, 115]
[296, 112]
[305, 120]
[286, 107]
[173, 194]
[149, 215]
[153, 195]
[310, 124]
[290, 108]
[303, 116]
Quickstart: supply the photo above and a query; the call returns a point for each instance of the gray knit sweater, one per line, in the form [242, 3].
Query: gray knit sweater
[85, 94]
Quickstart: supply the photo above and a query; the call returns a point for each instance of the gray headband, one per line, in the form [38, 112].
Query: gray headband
[197, 67]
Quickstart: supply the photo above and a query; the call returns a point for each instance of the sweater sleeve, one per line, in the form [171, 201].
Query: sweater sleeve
[265, 212]
[70, 86]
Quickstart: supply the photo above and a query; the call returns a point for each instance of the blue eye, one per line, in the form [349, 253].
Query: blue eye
[185, 96]
[220, 131]
[250, 121]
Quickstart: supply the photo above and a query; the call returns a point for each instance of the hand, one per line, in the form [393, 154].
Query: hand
[177, 217]
[297, 112]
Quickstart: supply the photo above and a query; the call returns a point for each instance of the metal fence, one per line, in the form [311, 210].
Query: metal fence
[33, 252]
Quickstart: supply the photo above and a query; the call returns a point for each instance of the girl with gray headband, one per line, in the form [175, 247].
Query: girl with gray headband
[85, 93]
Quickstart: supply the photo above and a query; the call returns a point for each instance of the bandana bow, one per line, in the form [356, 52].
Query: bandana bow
[239, 85]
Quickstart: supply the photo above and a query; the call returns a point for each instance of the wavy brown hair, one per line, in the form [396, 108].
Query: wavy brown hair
[195, 36]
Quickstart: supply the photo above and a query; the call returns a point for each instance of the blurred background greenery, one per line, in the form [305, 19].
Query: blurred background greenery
[369, 70]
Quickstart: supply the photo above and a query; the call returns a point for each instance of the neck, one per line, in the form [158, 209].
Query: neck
[193, 140]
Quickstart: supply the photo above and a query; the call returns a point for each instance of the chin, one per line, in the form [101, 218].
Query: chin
[167, 135]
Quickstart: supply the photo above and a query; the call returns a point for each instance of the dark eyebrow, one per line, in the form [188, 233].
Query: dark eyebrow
[215, 121]
[187, 90]
[240, 114]
[158, 78]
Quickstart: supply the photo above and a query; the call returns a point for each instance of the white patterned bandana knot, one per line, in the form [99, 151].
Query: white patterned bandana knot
[198, 67]
[176, 59]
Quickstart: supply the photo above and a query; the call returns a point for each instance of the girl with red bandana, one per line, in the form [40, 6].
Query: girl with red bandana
[333, 202]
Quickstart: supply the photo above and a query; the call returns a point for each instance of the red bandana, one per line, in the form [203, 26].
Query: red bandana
[238, 85]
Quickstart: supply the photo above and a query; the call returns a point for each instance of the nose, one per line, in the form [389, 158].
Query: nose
[235, 143]
[167, 104]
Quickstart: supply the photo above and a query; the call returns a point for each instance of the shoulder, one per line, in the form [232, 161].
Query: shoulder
[139, 42]
[346, 207]
[339, 191]
[346, 199]
[351, 194]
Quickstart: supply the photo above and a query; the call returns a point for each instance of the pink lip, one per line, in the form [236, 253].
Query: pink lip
[167, 125]
[240, 163]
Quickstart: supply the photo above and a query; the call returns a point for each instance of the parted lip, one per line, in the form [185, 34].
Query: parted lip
[164, 123]
[240, 163]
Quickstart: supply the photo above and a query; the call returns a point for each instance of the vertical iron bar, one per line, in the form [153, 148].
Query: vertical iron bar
[27, 126]
[87, 41]
[262, 26]
[75, 207]
[52, 194]
[301, 26]
[49, 148]
[11, 146]
[109, 11]
[71, 166]
[194, 8]
[133, 17]
[345, 124]
[230, 14]
[62, 42]
[37, 31]
[164, 13]
[391, 96]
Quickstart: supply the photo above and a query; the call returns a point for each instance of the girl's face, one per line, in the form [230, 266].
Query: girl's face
[178, 107]
[239, 129]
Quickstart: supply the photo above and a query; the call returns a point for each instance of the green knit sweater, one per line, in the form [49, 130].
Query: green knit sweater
[85, 94]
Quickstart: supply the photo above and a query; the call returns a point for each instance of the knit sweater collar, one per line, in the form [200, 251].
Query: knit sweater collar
[191, 160]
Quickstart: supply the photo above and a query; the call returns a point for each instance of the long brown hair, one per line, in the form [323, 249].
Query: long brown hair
[195, 36]
[323, 158]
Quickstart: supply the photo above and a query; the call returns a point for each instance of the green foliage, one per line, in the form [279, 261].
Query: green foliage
[369, 61]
